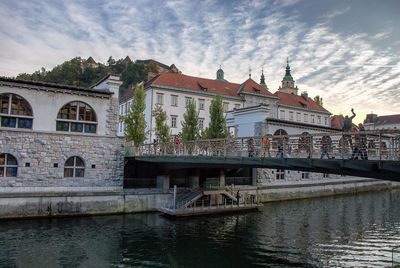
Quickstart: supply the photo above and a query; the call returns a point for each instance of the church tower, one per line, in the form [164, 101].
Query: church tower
[262, 80]
[220, 74]
[288, 82]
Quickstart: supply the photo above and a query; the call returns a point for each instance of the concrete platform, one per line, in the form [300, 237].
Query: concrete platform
[190, 212]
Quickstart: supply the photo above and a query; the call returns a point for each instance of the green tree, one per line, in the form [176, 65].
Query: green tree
[190, 124]
[318, 100]
[217, 127]
[134, 121]
[162, 128]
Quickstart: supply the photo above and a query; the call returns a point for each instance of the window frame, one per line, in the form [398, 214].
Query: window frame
[201, 123]
[160, 98]
[6, 166]
[16, 120]
[74, 167]
[174, 100]
[76, 125]
[174, 121]
[202, 104]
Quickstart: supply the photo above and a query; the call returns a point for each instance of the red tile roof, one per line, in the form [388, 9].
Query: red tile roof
[209, 85]
[388, 119]
[251, 86]
[298, 101]
[337, 121]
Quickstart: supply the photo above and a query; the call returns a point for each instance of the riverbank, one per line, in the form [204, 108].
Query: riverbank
[63, 201]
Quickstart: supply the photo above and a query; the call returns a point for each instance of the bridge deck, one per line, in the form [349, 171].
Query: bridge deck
[385, 170]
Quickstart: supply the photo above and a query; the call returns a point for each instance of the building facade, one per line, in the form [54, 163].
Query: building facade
[383, 122]
[59, 136]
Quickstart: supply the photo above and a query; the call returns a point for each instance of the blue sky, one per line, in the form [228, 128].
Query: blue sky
[348, 52]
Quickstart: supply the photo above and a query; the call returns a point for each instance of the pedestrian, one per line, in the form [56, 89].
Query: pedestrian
[324, 147]
[363, 141]
[250, 147]
[347, 127]
[238, 198]
[266, 145]
[178, 141]
[289, 152]
[279, 154]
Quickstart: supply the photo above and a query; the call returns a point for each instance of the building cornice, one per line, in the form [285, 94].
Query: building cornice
[303, 109]
[56, 88]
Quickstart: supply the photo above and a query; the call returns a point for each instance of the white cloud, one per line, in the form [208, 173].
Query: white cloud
[346, 70]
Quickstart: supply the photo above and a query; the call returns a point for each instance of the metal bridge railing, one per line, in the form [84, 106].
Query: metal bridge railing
[373, 145]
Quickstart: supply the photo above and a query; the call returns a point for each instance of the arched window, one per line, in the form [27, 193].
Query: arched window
[8, 166]
[305, 142]
[76, 116]
[15, 111]
[74, 167]
[279, 138]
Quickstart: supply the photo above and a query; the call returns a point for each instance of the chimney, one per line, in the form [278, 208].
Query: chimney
[304, 94]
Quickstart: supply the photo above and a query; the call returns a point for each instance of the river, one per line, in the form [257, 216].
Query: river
[341, 231]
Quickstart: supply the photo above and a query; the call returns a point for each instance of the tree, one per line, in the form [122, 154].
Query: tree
[217, 127]
[318, 100]
[162, 128]
[190, 124]
[134, 121]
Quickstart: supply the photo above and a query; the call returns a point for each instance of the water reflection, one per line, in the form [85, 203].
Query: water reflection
[343, 231]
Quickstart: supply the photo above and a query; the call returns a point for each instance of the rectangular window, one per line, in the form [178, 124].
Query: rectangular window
[280, 174]
[291, 116]
[282, 114]
[237, 106]
[24, 123]
[312, 118]
[226, 106]
[305, 117]
[187, 101]
[76, 127]
[201, 123]
[326, 120]
[90, 128]
[173, 121]
[201, 104]
[62, 126]
[319, 119]
[8, 121]
[174, 100]
[160, 98]
[298, 115]
[325, 175]
[121, 109]
[125, 108]
[304, 175]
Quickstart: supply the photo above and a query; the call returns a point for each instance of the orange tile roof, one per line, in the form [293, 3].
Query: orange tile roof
[251, 86]
[298, 101]
[337, 121]
[196, 83]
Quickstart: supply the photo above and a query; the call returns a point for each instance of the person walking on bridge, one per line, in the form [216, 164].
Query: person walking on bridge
[266, 145]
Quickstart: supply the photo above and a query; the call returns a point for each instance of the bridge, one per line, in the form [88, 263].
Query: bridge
[371, 154]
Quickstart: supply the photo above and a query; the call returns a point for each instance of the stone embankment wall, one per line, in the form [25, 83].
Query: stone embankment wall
[41, 157]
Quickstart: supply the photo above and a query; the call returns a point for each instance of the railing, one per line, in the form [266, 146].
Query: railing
[377, 145]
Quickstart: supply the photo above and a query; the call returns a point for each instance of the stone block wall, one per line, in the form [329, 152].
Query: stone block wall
[266, 176]
[103, 157]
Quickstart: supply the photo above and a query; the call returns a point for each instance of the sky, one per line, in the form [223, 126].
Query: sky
[348, 52]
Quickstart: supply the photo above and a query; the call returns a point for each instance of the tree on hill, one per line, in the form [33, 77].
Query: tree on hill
[217, 126]
[135, 123]
[190, 124]
[79, 72]
[318, 100]
[162, 127]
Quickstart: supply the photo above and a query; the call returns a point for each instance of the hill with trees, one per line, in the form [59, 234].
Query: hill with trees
[85, 72]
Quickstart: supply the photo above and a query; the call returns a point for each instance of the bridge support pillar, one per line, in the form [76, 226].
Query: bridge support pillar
[254, 176]
[222, 178]
[163, 182]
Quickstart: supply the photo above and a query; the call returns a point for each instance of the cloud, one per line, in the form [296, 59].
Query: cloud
[345, 69]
